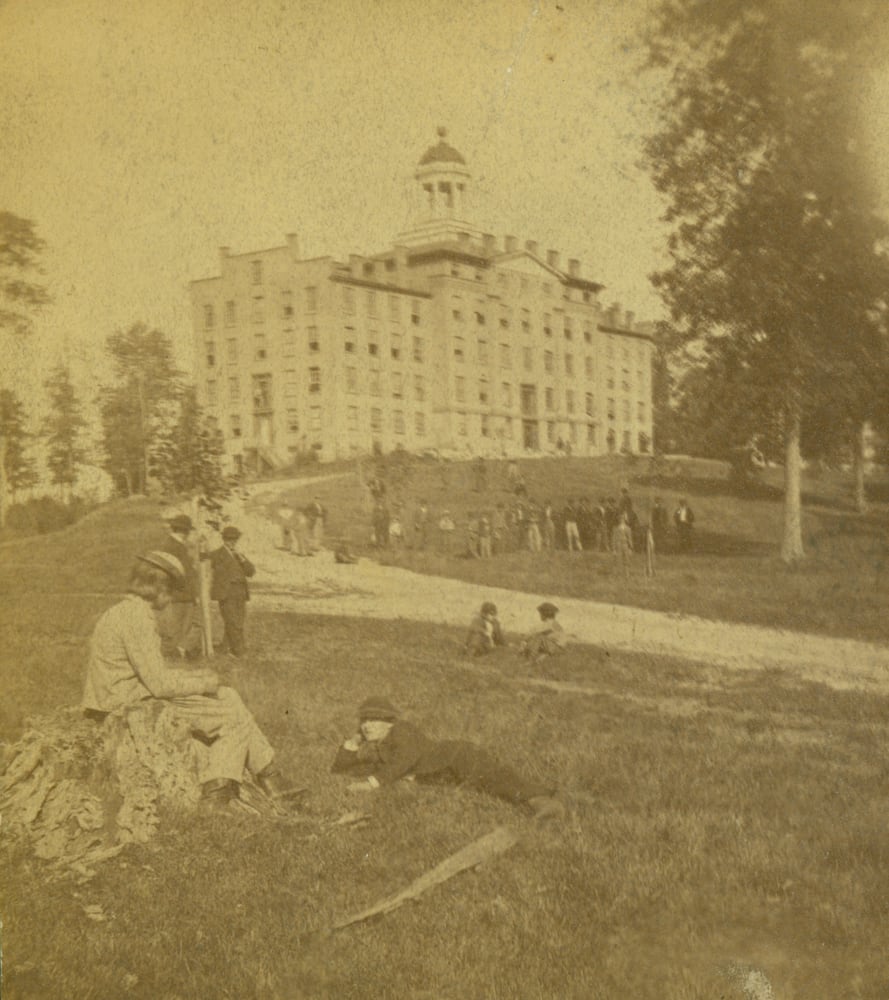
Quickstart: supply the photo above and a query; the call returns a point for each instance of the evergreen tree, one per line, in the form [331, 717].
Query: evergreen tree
[63, 430]
[136, 409]
[186, 456]
[18, 466]
[20, 249]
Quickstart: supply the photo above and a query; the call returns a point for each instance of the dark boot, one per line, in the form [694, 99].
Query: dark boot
[276, 786]
[219, 793]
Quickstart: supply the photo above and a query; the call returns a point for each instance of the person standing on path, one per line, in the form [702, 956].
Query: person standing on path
[421, 526]
[178, 621]
[126, 666]
[481, 475]
[548, 527]
[231, 571]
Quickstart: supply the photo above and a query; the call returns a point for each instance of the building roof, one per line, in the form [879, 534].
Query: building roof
[441, 152]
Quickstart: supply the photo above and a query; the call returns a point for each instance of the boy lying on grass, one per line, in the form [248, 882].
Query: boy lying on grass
[484, 632]
[548, 638]
[387, 748]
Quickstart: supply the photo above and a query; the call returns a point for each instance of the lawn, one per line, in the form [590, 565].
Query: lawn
[734, 572]
[717, 824]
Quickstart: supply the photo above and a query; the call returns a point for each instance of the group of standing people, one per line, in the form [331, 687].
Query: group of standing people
[179, 621]
[302, 531]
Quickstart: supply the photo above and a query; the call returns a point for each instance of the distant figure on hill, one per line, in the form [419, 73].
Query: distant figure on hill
[498, 529]
[623, 543]
[472, 526]
[572, 535]
[126, 667]
[601, 527]
[485, 549]
[386, 749]
[180, 635]
[285, 519]
[548, 638]
[585, 523]
[684, 520]
[446, 528]
[317, 515]
[512, 473]
[611, 520]
[396, 529]
[547, 527]
[484, 632]
[230, 589]
[422, 518]
[657, 521]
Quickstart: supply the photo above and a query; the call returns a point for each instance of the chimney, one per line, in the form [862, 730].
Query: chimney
[293, 245]
[489, 242]
[628, 321]
[613, 314]
[463, 237]
[552, 258]
[224, 253]
[511, 243]
[574, 268]
[531, 246]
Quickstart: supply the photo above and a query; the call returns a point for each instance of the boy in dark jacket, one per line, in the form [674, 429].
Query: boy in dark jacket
[387, 748]
[484, 632]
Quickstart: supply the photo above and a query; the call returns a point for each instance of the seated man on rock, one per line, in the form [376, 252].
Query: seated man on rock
[387, 748]
[126, 666]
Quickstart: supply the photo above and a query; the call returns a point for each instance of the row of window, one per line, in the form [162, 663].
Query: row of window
[626, 410]
[372, 298]
[483, 357]
[353, 421]
[257, 307]
[261, 350]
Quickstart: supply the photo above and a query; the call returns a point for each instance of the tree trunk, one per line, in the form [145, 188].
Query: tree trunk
[203, 569]
[792, 542]
[858, 461]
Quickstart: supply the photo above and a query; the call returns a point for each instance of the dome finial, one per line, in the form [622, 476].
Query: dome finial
[442, 132]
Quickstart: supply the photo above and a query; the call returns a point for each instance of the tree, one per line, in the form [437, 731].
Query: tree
[774, 261]
[20, 248]
[135, 409]
[63, 430]
[187, 452]
[18, 466]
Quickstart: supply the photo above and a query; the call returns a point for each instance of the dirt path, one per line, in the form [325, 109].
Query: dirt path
[317, 585]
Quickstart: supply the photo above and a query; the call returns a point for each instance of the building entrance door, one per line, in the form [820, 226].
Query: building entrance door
[530, 435]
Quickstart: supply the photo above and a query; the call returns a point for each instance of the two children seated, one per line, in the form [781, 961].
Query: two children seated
[546, 639]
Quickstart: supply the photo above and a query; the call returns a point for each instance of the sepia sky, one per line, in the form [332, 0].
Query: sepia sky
[142, 137]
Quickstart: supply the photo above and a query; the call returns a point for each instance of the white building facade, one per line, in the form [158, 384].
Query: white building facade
[450, 340]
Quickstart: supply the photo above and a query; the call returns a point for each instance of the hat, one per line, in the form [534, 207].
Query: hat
[181, 522]
[230, 533]
[547, 610]
[166, 562]
[489, 608]
[377, 708]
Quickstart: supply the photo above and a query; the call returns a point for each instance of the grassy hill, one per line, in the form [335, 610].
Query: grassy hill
[718, 824]
[734, 572]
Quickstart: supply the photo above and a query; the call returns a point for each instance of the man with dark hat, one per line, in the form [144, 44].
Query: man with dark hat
[387, 748]
[177, 623]
[126, 666]
[548, 638]
[231, 571]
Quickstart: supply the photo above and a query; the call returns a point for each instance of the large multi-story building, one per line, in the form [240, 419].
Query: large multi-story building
[449, 340]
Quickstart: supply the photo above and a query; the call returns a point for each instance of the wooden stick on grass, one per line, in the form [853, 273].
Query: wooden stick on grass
[473, 854]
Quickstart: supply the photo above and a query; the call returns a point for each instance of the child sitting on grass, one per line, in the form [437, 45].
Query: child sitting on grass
[548, 638]
[387, 748]
[484, 632]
